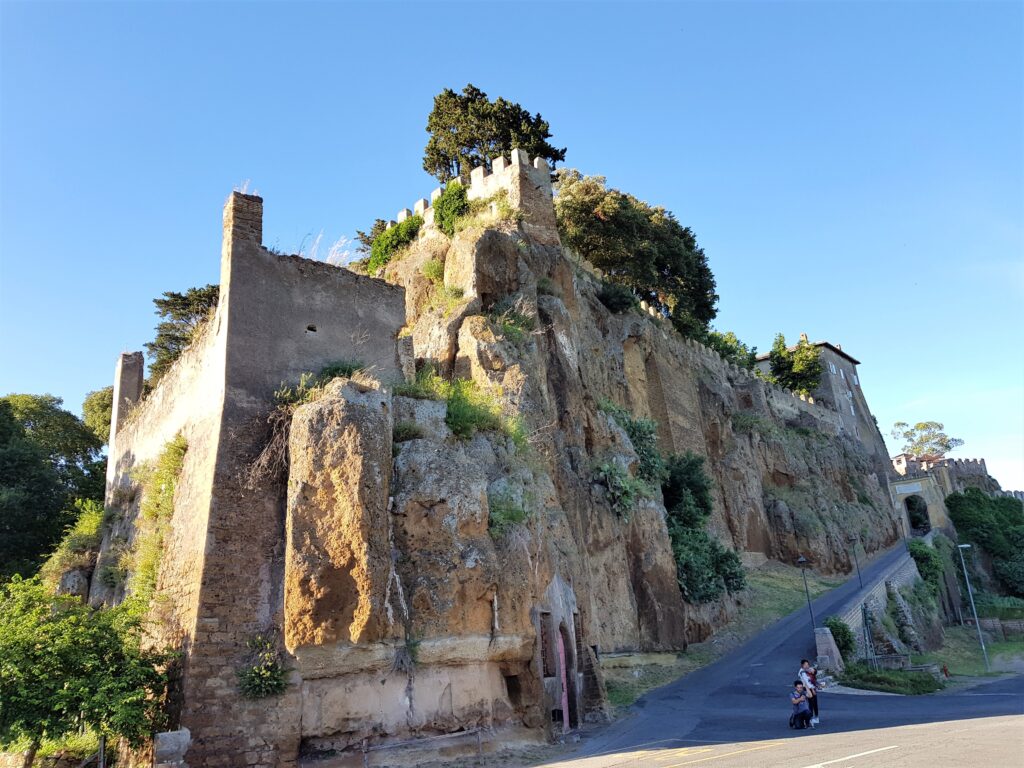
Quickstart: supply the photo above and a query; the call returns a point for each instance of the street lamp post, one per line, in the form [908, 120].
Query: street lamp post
[970, 594]
[853, 541]
[803, 562]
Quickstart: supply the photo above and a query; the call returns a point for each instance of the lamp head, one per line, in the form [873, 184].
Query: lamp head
[802, 561]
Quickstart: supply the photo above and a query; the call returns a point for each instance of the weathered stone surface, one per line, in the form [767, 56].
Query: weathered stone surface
[338, 557]
[74, 583]
[170, 746]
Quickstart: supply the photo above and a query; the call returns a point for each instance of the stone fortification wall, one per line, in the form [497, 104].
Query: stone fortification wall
[223, 563]
[903, 574]
[527, 185]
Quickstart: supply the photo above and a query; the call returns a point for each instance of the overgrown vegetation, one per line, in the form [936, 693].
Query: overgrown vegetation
[433, 270]
[996, 524]
[617, 298]
[643, 435]
[999, 607]
[390, 241]
[504, 514]
[731, 348]
[64, 667]
[182, 319]
[705, 568]
[79, 545]
[929, 563]
[748, 421]
[97, 408]
[639, 246]
[445, 298]
[451, 205]
[889, 680]
[621, 489]
[404, 431]
[798, 369]
[514, 318]
[263, 674]
[471, 408]
[843, 636]
[159, 481]
[468, 129]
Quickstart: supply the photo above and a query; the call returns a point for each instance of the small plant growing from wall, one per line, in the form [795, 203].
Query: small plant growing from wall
[621, 489]
[504, 514]
[263, 674]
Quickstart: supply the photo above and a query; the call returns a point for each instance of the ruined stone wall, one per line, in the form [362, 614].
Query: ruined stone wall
[223, 564]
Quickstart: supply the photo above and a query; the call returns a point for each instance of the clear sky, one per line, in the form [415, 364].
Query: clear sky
[853, 170]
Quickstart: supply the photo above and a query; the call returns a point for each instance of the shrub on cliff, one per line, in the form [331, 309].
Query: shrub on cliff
[929, 563]
[640, 246]
[617, 298]
[997, 526]
[467, 130]
[704, 567]
[389, 242]
[643, 434]
[450, 206]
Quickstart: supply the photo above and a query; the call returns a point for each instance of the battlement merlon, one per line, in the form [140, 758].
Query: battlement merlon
[526, 183]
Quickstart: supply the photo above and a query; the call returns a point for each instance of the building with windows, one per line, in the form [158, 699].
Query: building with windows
[840, 389]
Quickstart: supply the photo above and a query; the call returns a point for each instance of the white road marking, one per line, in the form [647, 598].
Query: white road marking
[850, 757]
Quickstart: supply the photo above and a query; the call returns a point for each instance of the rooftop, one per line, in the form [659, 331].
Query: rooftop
[834, 347]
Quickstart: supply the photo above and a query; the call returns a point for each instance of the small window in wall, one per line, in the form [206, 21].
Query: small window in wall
[832, 368]
[842, 374]
[547, 651]
[849, 394]
[856, 380]
[852, 412]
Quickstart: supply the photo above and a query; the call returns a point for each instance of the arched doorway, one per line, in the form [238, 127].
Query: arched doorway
[917, 514]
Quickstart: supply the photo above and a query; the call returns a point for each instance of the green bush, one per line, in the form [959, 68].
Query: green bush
[81, 540]
[687, 489]
[747, 421]
[433, 270]
[997, 526]
[843, 636]
[929, 563]
[621, 489]
[617, 298]
[643, 435]
[999, 607]
[311, 386]
[263, 675]
[889, 680]
[514, 318]
[451, 205]
[547, 287]
[389, 242]
[503, 515]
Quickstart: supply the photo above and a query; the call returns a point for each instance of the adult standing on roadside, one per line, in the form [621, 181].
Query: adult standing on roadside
[809, 677]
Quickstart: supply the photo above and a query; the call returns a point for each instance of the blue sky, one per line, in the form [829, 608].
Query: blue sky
[853, 170]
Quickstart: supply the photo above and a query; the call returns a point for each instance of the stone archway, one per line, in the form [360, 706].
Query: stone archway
[928, 490]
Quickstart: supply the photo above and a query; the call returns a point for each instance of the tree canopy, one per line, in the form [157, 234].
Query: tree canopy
[32, 499]
[926, 438]
[996, 524]
[71, 448]
[731, 348]
[468, 129]
[182, 314]
[799, 368]
[63, 665]
[640, 246]
[96, 412]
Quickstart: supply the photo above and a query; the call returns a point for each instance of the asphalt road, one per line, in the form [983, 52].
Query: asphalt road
[741, 702]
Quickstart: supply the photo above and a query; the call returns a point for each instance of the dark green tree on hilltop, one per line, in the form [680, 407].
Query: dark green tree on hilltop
[798, 368]
[182, 315]
[468, 129]
[640, 246]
